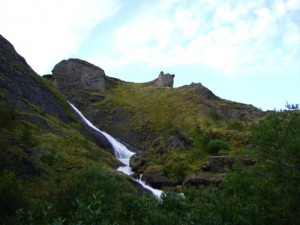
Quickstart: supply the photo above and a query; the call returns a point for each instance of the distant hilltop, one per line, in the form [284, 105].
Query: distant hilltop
[75, 75]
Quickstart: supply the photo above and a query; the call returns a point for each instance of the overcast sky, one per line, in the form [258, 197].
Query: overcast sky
[243, 50]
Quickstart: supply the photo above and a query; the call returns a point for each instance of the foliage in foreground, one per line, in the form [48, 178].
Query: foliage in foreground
[269, 193]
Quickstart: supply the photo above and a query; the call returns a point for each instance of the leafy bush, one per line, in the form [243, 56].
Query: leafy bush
[176, 169]
[214, 146]
[277, 140]
[87, 181]
[12, 195]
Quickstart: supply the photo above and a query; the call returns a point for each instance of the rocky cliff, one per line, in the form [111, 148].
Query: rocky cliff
[37, 124]
[163, 80]
[74, 76]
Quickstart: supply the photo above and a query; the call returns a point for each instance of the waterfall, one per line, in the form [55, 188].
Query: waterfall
[121, 152]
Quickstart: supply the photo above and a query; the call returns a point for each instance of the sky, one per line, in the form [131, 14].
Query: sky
[243, 50]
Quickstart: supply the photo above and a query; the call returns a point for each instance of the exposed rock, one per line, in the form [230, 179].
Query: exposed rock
[200, 94]
[75, 76]
[158, 180]
[203, 179]
[26, 92]
[99, 138]
[205, 166]
[223, 164]
[23, 85]
[163, 80]
[136, 161]
[223, 108]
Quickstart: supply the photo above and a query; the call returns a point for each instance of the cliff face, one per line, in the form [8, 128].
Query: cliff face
[39, 130]
[23, 87]
[74, 76]
[163, 80]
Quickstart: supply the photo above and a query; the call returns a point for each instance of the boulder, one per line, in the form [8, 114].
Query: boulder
[158, 180]
[203, 179]
[223, 164]
[136, 161]
[75, 76]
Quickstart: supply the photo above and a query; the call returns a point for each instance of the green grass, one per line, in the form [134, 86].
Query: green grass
[151, 113]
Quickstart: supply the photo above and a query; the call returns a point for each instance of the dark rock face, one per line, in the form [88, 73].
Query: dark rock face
[136, 161]
[223, 164]
[203, 179]
[75, 76]
[158, 180]
[23, 90]
[23, 85]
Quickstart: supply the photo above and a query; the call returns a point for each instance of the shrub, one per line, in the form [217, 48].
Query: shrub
[12, 195]
[84, 183]
[176, 169]
[214, 146]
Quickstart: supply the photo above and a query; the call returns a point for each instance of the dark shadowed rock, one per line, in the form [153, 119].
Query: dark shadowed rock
[136, 161]
[223, 164]
[203, 179]
[24, 86]
[34, 101]
[158, 180]
[75, 76]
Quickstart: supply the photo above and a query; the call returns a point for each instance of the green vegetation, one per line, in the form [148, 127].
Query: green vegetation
[215, 146]
[174, 127]
[38, 152]
[266, 194]
[52, 173]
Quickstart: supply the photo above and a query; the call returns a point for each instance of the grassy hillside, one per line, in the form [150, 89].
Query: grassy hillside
[42, 142]
[51, 172]
[173, 126]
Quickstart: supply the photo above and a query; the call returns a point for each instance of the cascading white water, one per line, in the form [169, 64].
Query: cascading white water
[122, 153]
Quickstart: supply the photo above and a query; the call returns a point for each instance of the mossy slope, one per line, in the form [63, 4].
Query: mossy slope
[172, 126]
[42, 140]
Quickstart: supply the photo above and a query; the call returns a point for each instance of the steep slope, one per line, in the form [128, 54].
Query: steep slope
[173, 127]
[141, 113]
[42, 140]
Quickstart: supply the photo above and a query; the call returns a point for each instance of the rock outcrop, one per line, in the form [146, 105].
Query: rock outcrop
[23, 86]
[203, 179]
[223, 164]
[163, 80]
[158, 180]
[221, 108]
[136, 161]
[75, 76]
[31, 101]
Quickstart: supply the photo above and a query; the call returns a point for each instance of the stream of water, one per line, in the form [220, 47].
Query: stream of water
[121, 152]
